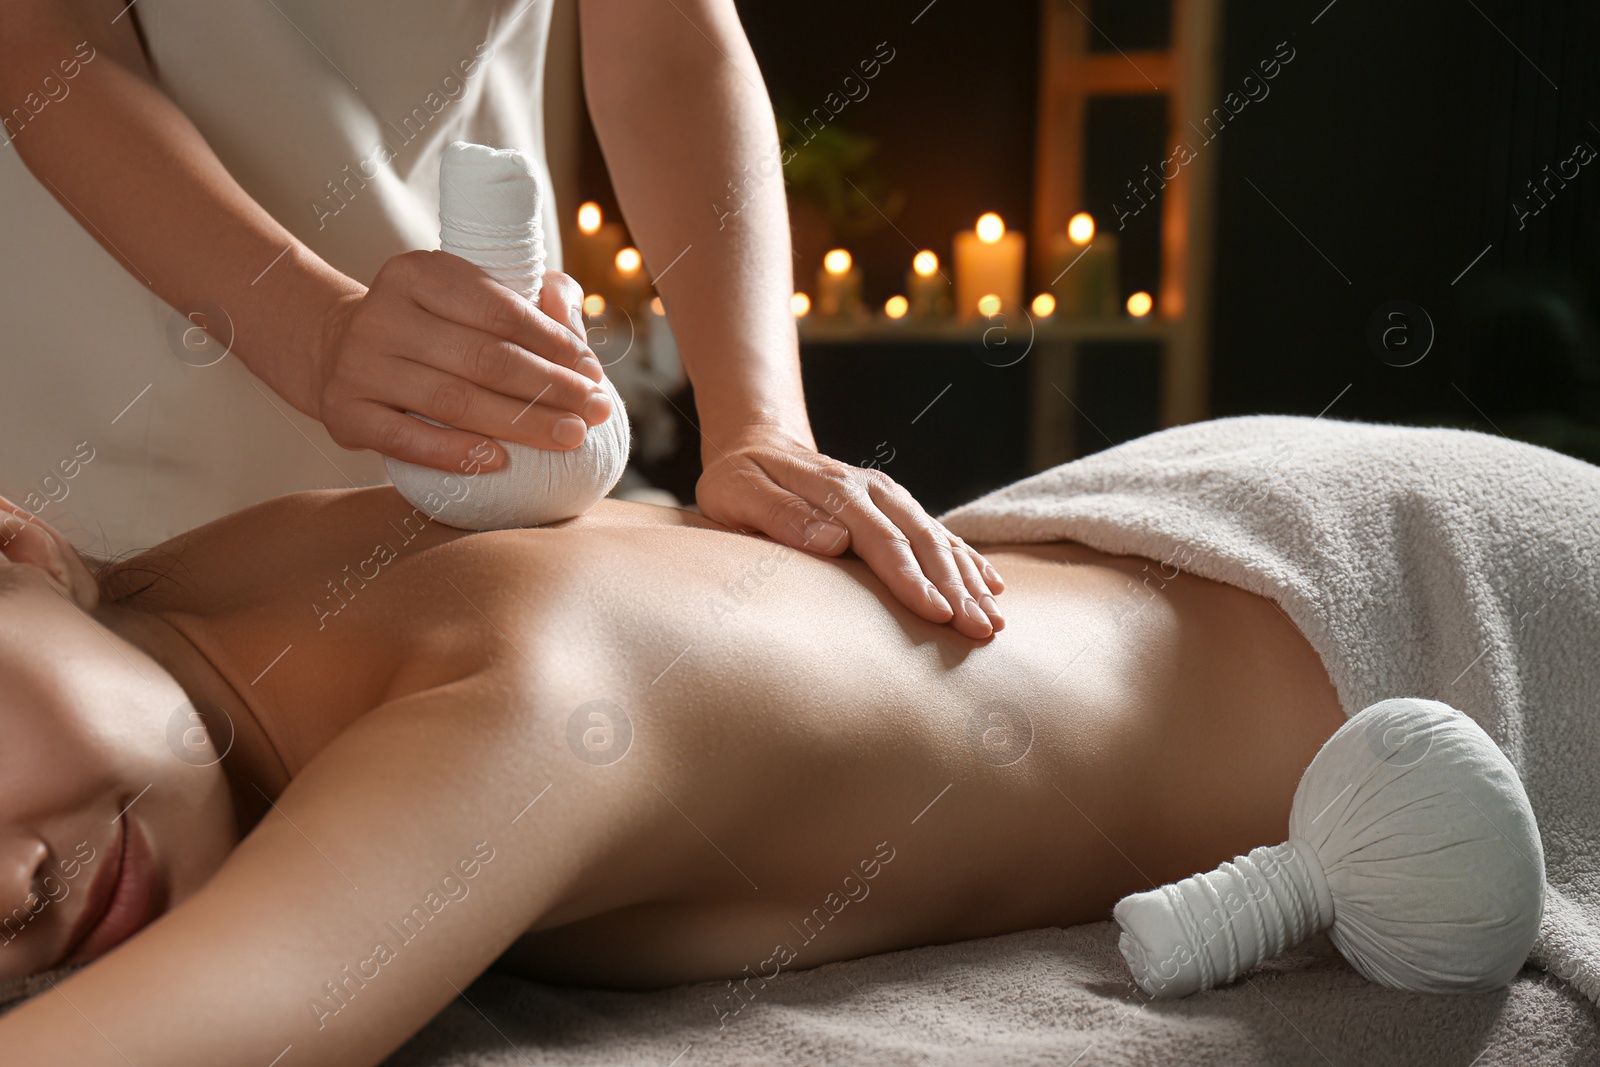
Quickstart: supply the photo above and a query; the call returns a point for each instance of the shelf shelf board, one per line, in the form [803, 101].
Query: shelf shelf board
[882, 331]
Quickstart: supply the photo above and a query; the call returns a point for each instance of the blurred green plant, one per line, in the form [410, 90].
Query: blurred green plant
[834, 170]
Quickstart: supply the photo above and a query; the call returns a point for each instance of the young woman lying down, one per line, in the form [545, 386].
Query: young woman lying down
[299, 776]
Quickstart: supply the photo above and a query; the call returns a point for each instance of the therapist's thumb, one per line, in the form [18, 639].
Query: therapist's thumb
[561, 298]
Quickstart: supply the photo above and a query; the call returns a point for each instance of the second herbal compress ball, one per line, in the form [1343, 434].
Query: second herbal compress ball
[1411, 841]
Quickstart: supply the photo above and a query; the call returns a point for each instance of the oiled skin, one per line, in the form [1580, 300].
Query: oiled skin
[791, 724]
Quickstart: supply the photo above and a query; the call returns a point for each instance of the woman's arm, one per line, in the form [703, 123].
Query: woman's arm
[410, 831]
[431, 335]
[681, 113]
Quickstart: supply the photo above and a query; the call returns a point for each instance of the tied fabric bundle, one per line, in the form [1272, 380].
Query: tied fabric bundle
[489, 215]
[1411, 841]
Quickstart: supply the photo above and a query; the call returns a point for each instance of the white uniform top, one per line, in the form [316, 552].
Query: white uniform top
[332, 116]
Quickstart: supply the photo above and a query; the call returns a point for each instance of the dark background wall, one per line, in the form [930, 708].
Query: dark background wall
[1398, 142]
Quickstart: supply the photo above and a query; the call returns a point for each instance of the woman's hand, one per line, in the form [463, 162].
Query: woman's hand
[437, 336]
[796, 495]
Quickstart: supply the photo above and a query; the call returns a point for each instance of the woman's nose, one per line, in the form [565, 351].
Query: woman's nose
[22, 859]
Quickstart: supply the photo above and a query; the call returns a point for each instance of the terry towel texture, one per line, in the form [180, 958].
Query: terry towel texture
[1434, 563]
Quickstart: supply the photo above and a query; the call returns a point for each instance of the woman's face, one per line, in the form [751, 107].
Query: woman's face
[105, 823]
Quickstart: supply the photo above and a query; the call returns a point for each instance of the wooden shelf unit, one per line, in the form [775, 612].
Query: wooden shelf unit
[1069, 74]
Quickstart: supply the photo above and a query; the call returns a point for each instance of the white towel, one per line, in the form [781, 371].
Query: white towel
[1445, 564]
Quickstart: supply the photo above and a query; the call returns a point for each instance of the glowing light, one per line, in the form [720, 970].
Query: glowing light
[589, 217]
[1139, 304]
[629, 261]
[1044, 305]
[896, 307]
[925, 263]
[988, 305]
[800, 304]
[1081, 228]
[656, 307]
[991, 227]
[836, 262]
[594, 305]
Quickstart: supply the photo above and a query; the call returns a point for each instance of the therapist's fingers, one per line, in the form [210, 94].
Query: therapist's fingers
[945, 559]
[462, 406]
[429, 337]
[408, 438]
[996, 583]
[908, 549]
[753, 496]
[910, 552]
[462, 346]
[937, 554]
[451, 288]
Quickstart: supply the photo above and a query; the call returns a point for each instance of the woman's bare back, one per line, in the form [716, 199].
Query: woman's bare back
[779, 765]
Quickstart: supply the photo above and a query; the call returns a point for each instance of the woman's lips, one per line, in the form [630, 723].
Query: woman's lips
[127, 908]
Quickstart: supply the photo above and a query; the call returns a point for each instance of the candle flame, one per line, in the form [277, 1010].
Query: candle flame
[629, 260]
[588, 217]
[1081, 228]
[1044, 305]
[799, 304]
[991, 227]
[988, 305]
[925, 263]
[594, 305]
[656, 307]
[1139, 304]
[836, 262]
[896, 307]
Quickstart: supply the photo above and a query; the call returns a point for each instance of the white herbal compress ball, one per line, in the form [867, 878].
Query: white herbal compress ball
[489, 215]
[1411, 841]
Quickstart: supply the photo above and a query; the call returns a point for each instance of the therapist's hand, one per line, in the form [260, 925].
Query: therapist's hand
[796, 495]
[437, 336]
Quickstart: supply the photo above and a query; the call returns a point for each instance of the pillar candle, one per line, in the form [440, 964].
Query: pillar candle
[630, 288]
[1082, 269]
[988, 261]
[927, 290]
[839, 287]
[589, 255]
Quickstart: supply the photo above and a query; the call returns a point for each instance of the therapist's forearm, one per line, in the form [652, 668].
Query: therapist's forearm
[680, 110]
[125, 161]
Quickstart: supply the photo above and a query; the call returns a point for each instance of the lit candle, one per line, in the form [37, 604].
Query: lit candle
[589, 255]
[1044, 306]
[838, 286]
[800, 305]
[988, 263]
[896, 307]
[1140, 303]
[628, 284]
[1082, 270]
[928, 291]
